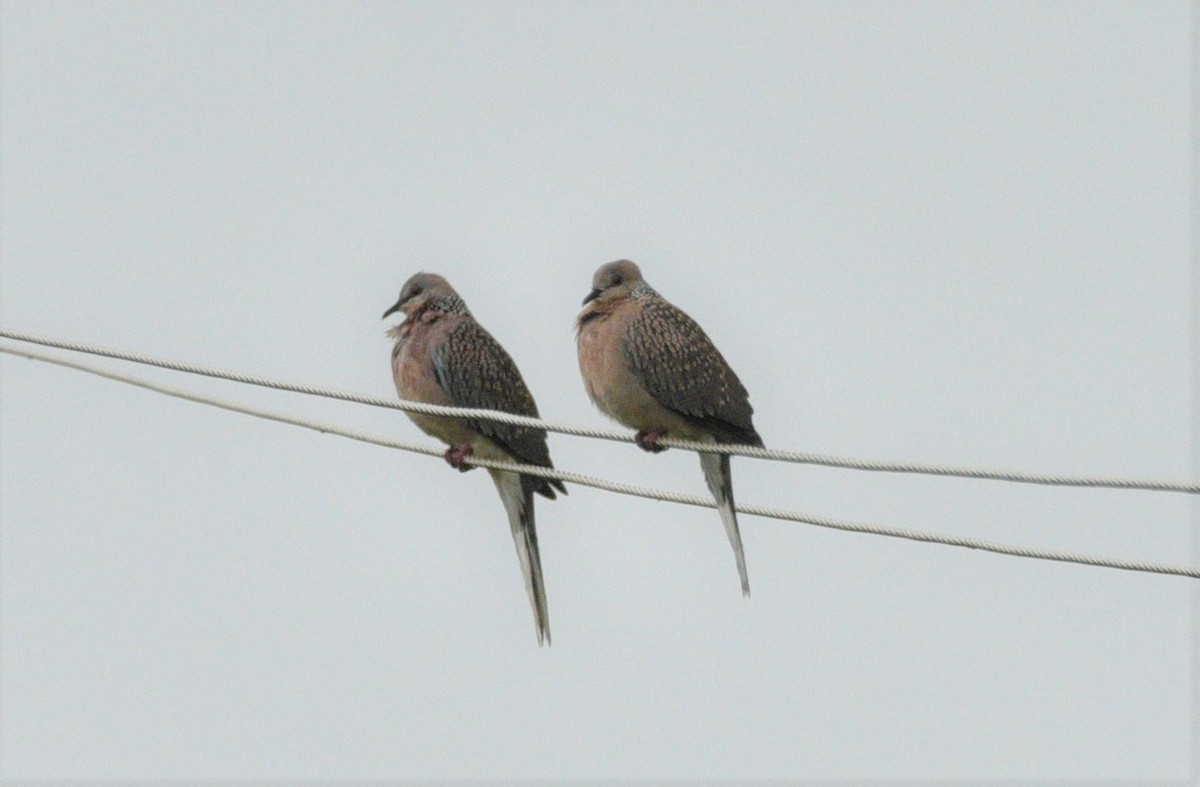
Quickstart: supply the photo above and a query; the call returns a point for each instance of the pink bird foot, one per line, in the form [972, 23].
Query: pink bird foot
[456, 454]
[648, 441]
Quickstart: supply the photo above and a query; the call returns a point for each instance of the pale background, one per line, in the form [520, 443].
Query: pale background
[948, 232]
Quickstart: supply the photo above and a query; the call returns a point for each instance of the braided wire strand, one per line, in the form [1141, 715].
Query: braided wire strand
[756, 452]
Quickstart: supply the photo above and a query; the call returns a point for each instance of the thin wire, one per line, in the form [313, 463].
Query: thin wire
[1112, 482]
[627, 489]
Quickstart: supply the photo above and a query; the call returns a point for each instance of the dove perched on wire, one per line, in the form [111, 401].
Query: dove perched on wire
[442, 356]
[651, 367]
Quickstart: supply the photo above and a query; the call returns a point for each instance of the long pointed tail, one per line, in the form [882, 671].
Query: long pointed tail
[720, 483]
[518, 502]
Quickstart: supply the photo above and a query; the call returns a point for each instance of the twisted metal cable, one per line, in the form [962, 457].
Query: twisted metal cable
[628, 489]
[799, 457]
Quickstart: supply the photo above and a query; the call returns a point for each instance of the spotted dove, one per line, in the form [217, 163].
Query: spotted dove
[443, 356]
[651, 367]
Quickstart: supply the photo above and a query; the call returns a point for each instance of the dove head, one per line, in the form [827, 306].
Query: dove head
[613, 281]
[427, 291]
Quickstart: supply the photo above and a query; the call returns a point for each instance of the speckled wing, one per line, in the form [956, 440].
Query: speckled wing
[684, 372]
[476, 371]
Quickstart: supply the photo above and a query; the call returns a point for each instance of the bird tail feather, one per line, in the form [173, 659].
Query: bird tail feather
[720, 483]
[517, 496]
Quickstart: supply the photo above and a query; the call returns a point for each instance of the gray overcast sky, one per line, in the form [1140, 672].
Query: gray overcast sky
[949, 232]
